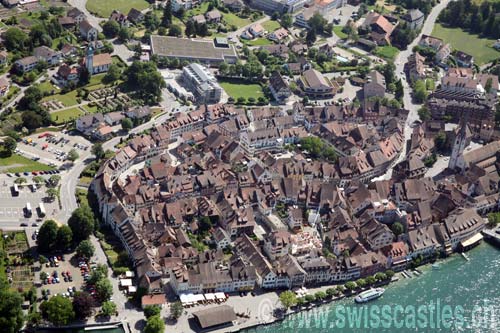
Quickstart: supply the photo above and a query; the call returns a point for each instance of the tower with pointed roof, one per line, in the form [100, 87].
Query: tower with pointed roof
[462, 140]
[89, 59]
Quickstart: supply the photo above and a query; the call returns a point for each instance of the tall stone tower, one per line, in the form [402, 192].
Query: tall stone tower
[89, 59]
[463, 136]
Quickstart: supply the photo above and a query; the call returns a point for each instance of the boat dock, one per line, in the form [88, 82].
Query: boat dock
[492, 235]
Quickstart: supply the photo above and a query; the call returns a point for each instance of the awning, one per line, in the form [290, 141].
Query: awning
[125, 282]
[220, 295]
[473, 240]
[210, 297]
[191, 298]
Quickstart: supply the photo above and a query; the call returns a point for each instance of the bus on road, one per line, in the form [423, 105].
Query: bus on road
[42, 209]
[15, 190]
[28, 211]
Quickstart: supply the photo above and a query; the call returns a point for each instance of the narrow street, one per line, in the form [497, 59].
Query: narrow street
[399, 62]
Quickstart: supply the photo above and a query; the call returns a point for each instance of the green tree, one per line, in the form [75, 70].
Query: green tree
[82, 223]
[488, 85]
[51, 193]
[166, 19]
[493, 219]
[83, 304]
[310, 298]
[190, 28]
[399, 91]
[108, 308]
[397, 228]
[73, 155]
[112, 75]
[389, 274]
[11, 313]
[9, 146]
[20, 180]
[111, 28]
[286, 21]
[317, 23]
[58, 310]
[176, 310]
[151, 310]
[370, 280]
[47, 236]
[320, 295]
[64, 237]
[127, 124]
[350, 285]
[15, 40]
[85, 249]
[151, 21]
[380, 276]
[124, 34]
[361, 283]
[146, 80]
[175, 30]
[430, 85]
[424, 113]
[98, 151]
[104, 289]
[330, 292]
[99, 273]
[420, 91]
[155, 325]
[288, 299]
[31, 98]
[311, 37]
[38, 180]
[440, 141]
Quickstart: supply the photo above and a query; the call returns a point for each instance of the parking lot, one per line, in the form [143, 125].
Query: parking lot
[52, 148]
[13, 207]
[69, 263]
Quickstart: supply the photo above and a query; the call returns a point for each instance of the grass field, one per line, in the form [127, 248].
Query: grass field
[257, 42]
[460, 40]
[338, 31]
[201, 9]
[104, 8]
[271, 25]
[66, 115]
[236, 90]
[232, 19]
[18, 163]
[67, 99]
[387, 52]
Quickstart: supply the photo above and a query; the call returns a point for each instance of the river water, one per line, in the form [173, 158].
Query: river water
[458, 296]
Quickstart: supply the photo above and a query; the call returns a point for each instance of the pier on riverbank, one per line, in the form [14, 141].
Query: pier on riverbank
[492, 235]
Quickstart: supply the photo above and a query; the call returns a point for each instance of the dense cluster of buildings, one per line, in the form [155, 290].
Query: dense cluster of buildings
[194, 215]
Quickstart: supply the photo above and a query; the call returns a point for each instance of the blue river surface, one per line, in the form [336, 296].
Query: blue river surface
[458, 296]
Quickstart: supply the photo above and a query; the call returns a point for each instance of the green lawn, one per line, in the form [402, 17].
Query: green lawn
[338, 31]
[67, 99]
[387, 52]
[271, 25]
[47, 87]
[460, 40]
[201, 9]
[18, 163]
[104, 8]
[232, 19]
[257, 42]
[236, 90]
[66, 115]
